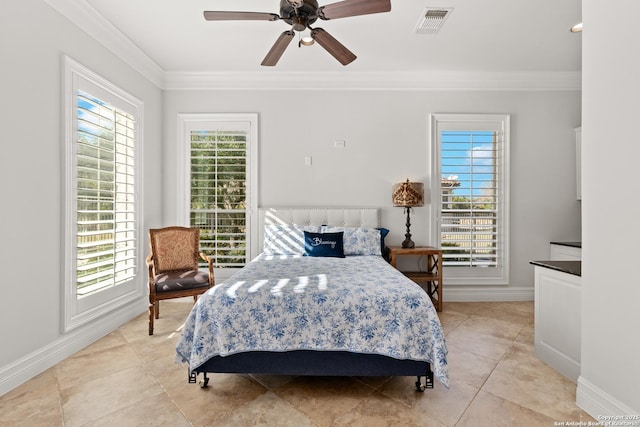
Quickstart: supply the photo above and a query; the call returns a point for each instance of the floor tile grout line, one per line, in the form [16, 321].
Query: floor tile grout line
[61, 408]
[481, 388]
[507, 398]
[513, 342]
[146, 367]
[286, 402]
[468, 406]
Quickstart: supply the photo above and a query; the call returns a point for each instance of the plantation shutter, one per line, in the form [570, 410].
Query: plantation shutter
[218, 200]
[105, 195]
[470, 198]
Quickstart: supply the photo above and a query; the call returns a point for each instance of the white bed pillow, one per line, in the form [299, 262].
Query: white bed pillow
[285, 239]
[358, 240]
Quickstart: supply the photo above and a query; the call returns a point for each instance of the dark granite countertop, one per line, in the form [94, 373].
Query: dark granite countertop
[572, 244]
[571, 267]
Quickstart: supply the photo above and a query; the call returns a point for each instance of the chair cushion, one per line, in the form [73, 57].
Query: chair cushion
[181, 280]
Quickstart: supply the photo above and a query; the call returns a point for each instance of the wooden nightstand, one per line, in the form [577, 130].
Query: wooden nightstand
[431, 276]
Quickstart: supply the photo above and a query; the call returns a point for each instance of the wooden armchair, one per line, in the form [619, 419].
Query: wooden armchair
[173, 267]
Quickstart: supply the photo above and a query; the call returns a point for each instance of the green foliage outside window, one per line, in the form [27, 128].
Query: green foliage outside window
[219, 195]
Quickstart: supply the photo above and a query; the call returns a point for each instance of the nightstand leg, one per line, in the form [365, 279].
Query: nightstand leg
[434, 288]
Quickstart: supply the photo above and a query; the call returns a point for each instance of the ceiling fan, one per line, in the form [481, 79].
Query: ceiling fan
[300, 14]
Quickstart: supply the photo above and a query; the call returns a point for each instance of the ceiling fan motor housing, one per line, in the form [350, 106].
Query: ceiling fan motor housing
[299, 13]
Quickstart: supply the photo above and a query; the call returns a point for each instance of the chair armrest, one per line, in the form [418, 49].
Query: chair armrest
[209, 260]
[206, 257]
[149, 261]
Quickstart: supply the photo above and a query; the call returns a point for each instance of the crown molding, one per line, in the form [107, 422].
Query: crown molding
[94, 24]
[388, 80]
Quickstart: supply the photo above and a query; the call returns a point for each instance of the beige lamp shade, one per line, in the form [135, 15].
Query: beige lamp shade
[408, 194]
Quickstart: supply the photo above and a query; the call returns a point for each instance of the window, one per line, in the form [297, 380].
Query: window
[102, 140]
[470, 154]
[220, 183]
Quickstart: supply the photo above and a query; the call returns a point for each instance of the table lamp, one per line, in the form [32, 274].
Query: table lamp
[408, 195]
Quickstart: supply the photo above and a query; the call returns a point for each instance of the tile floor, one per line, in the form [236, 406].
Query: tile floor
[129, 379]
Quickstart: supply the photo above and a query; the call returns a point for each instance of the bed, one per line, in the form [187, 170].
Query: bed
[343, 311]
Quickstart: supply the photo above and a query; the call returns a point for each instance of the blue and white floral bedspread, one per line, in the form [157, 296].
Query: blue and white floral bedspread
[359, 304]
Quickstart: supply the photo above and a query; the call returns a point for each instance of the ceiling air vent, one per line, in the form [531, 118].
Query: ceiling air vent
[432, 20]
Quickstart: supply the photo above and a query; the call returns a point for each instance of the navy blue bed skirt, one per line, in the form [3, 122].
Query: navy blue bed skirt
[315, 363]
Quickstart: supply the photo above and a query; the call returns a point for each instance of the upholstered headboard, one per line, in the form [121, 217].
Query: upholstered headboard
[343, 217]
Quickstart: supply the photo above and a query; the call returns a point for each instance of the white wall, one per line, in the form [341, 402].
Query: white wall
[33, 39]
[386, 136]
[610, 377]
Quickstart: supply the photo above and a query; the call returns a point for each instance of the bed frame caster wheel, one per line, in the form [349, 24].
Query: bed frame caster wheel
[204, 382]
[420, 387]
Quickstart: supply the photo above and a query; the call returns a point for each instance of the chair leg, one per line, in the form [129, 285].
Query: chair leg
[151, 315]
[157, 307]
[195, 299]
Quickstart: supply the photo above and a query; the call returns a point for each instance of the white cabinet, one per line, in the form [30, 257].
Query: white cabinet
[561, 252]
[557, 320]
[578, 132]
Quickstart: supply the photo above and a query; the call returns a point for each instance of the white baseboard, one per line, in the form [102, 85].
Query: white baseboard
[558, 360]
[598, 403]
[22, 370]
[486, 294]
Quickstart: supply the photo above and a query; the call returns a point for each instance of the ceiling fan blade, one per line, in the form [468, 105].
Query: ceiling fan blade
[348, 8]
[333, 46]
[239, 16]
[277, 49]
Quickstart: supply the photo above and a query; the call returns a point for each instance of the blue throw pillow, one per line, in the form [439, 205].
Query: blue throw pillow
[383, 245]
[324, 244]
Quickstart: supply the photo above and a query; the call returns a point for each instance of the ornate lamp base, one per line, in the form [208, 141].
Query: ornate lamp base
[408, 243]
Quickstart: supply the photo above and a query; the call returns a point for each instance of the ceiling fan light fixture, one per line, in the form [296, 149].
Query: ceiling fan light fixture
[307, 41]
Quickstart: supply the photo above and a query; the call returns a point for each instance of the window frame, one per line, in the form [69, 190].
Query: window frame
[457, 121]
[190, 121]
[77, 310]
